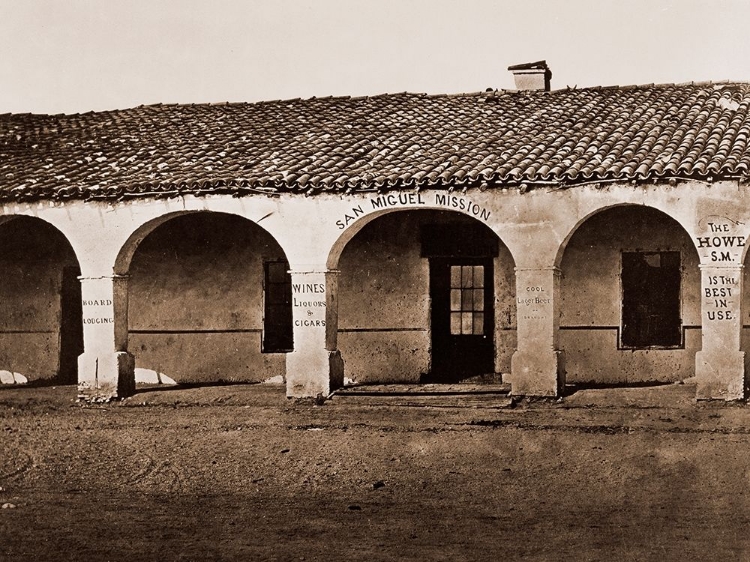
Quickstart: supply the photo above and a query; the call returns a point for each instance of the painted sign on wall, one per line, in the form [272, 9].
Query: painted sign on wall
[529, 303]
[98, 311]
[309, 304]
[719, 296]
[721, 242]
[411, 199]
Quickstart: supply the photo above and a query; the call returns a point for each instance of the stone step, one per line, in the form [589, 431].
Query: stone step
[432, 395]
[422, 389]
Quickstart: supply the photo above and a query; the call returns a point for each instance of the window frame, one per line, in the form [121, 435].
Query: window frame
[472, 310]
[264, 345]
[680, 326]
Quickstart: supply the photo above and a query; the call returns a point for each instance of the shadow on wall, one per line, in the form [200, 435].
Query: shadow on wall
[630, 299]
[399, 305]
[196, 301]
[41, 330]
[575, 387]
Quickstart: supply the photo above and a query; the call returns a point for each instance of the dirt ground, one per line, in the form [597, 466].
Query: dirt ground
[242, 473]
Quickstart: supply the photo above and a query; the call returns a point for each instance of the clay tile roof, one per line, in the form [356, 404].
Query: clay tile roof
[391, 141]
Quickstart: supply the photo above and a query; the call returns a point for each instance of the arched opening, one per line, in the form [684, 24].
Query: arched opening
[209, 300]
[41, 326]
[630, 299]
[425, 296]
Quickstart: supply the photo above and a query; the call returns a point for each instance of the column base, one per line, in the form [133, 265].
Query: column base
[102, 378]
[720, 376]
[538, 373]
[309, 375]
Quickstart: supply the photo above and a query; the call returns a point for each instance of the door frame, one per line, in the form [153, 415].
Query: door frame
[443, 362]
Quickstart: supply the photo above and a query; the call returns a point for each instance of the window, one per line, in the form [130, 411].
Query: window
[651, 299]
[277, 319]
[467, 300]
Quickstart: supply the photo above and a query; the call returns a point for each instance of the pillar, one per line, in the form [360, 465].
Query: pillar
[720, 365]
[315, 367]
[105, 369]
[537, 366]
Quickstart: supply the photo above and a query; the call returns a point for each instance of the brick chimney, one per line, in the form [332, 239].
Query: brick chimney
[532, 75]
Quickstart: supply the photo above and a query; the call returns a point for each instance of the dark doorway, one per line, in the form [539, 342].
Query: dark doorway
[462, 296]
[461, 290]
[71, 325]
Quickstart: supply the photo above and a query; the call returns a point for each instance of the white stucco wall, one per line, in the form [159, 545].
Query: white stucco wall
[535, 225]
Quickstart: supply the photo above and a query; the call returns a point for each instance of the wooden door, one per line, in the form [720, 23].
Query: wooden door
[461, 291]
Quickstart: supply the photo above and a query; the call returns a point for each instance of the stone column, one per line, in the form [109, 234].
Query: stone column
[315, 367]
[105, 369]
[720, 365]
[537, 367]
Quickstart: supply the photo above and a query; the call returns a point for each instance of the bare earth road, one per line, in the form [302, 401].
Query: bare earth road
[242, 473]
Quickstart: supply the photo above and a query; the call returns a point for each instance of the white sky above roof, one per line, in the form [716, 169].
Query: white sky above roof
[80, 55]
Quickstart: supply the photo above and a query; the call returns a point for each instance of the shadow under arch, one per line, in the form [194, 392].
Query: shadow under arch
[41, 324]
[630, 293]
[582, 220]
[208, 299]
[125, 255]
[351, 231]
[406, 314]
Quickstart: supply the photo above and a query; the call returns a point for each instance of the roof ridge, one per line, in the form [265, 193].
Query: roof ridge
[698, 84]
[489, 91]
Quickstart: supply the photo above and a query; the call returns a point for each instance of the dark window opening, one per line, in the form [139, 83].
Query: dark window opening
[277, 319]
[651, 299]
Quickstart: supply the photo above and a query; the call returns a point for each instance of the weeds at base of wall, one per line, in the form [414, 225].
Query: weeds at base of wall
[536, 400]
[720, 402]
[316, 401]
[85, 400]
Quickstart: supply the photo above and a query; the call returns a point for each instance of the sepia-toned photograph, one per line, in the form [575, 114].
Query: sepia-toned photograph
[407, 280]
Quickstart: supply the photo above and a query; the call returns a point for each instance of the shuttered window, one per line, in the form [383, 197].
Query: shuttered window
[277, 318]
[651, 299]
